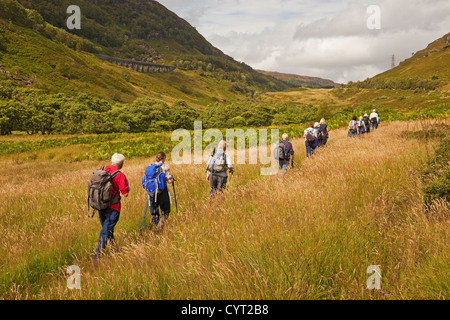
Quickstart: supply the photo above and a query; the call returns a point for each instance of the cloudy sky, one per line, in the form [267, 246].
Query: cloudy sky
[323, 38]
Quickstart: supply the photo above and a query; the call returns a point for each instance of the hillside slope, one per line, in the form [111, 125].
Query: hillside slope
[128, 28]
[302, 81]
[426, 69]
[147, 31]
[430, 63]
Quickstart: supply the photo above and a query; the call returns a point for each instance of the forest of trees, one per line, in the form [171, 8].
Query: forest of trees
[402, 84]
[33, 111]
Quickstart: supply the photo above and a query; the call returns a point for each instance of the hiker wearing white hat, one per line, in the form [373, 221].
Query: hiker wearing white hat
[374, 119]
[110, 216]
[318, 136]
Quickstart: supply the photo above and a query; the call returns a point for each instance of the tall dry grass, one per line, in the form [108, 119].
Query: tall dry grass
[312, 235]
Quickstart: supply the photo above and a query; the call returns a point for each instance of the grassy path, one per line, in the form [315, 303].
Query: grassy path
[357, 203]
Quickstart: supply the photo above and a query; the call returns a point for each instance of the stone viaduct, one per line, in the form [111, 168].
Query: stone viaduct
[137, 65]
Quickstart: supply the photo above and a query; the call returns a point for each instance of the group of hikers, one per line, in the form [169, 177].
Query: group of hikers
[316, 136]
[108, 184]
[364, 125]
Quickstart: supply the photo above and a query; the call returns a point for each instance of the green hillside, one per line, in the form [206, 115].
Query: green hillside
[302, 81]
[426, 69]
[36, 54]
[128, 28]
[51, 82]
[429, 63]
[147, 31]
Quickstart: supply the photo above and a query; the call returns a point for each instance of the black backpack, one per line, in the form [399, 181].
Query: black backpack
[323, 131]
[366, 121]
[319, 134]
[99, 190]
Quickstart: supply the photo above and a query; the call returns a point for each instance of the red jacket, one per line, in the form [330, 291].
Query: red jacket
[120, 185]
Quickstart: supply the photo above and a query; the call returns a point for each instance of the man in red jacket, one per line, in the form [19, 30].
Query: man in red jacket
[110, 216]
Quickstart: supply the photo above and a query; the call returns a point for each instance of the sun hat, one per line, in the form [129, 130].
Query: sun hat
[117, 158]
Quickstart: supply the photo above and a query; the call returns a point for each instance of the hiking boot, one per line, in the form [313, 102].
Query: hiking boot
[155, 220]
[113, 248]
[95, 259]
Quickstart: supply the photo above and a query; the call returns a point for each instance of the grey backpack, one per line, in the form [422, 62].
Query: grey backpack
[280, 151]
[99, 190]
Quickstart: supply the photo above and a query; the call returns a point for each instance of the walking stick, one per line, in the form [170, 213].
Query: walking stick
[229, 181]
[145, 213]
[174, 195]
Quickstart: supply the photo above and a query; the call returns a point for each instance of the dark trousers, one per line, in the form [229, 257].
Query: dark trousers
[162, 203]
[284, 164]
[309, 148]
[108, 219]
[217, 183]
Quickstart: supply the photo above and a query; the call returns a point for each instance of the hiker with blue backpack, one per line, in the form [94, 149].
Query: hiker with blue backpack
[284, 153]
[217, 165]
[367, 122]
[155, 182]
[318, 136]
[361, 126]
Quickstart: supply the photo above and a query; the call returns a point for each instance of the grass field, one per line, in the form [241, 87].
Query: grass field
[356, 203]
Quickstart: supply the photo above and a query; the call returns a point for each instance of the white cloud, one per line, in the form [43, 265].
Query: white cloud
[327, 38]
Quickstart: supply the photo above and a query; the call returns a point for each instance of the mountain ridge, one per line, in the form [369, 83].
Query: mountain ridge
[300, 80]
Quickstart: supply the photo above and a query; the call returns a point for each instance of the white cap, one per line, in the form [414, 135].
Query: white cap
[316, 125]
[285, 136]
[374, 110]
[117, 158]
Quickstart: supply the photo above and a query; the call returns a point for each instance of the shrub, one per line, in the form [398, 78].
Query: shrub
[437, 175]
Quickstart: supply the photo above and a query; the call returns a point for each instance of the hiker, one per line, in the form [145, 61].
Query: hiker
[285, 154]
[318, 137]
[216, 168]
[324, 132]
[110, 216]
[366, 120]
[361, 126]
[352, 127]
[374, 119]
[310, 136]
[159, 200]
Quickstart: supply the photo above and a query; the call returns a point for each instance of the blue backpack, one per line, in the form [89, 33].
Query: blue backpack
[154, 179]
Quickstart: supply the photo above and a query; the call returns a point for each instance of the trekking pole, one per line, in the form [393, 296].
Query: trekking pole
[231, 176]
[145, 213]
[174, 195]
